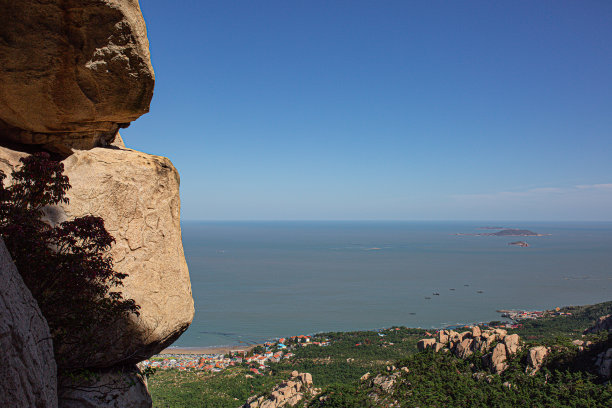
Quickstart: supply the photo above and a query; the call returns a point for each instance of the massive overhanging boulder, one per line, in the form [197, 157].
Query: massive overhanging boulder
[137, 195]
[72, 72]
[28, 375]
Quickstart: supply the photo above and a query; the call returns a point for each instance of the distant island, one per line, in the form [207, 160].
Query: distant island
[515, 233]
[522, 244]
[507, 232]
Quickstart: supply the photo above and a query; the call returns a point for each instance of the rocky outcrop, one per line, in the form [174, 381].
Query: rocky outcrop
[73, 71]
[535, 359]
[512, 343]
[604, 323]
[117, 388]
[425, 344]
[464, 349]
[28, 375]
[137, 195]
[603, 364]
[496, 360]
[467, 343]
[286, 394]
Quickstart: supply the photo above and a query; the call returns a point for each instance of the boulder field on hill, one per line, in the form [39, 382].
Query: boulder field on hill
[286, 394]
[496, 345]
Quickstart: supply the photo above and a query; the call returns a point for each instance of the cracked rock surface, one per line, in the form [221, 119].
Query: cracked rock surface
[28, 373]
[73, 71]
[137, 195]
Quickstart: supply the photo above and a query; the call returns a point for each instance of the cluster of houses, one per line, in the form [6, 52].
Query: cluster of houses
[273, 352]
[517, 315]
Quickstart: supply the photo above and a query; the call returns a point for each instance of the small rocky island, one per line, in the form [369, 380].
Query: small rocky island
[511, 232]
[506, 232]
[522, 244]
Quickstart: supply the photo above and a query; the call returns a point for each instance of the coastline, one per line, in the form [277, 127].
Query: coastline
[208, 349]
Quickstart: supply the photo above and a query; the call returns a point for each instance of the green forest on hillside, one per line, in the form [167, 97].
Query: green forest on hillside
[433, 380]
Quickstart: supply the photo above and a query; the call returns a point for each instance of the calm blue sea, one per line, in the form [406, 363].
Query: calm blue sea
[253, 281]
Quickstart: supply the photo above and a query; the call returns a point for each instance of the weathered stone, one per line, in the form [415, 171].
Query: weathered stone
[453, 336]
[464, 349]
[496, 360]
[118, 142]
[386, 382]
[137, 195]
[115, 388]
[424, 344]
[28, 376]
[465, 335]
[443, 336]
[73, 71]
[285, 394]
[437, 347]
[500, 333]
[577, 342]
[488, 341]
[306, 379]
[512, 343]
[9, 161]
[536, 358]
[476, 332]
[294, 400]
[604, 323]
[479, 344]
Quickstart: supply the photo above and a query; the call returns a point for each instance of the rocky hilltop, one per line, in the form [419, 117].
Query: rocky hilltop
[73, 73]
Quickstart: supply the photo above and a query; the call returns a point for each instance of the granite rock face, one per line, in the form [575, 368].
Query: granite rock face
[28, 376]
[137, 195]
[286, 394]
[73, 71]
[466, 343]
[424, 344]
[117, 388]
[512, 343]
[535, 358]
[497, 359]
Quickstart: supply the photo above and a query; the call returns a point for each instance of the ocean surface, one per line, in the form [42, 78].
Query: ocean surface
[253, 281]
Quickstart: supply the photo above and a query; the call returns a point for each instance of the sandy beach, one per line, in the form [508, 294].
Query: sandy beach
[206, 350]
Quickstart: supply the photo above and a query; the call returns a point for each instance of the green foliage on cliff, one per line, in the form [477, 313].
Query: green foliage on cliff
[65, 266]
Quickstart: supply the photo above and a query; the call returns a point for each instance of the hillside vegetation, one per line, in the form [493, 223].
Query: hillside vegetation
[402, 377]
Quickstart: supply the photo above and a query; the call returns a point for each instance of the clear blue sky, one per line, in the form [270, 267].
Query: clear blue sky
[451, 110]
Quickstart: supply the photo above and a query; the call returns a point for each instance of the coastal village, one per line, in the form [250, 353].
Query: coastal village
[258, 358]
[271, 352]
[518, 315]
